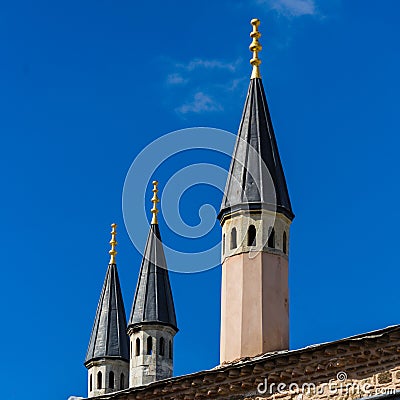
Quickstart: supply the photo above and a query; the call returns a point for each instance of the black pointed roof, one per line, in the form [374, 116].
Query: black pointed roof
[256, 170]
[109, 338]
[153, 302]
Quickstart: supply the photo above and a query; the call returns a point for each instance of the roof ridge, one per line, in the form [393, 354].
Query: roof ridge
[224, 368]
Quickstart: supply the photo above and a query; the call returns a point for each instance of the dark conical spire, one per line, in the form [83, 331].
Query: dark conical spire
[153, 302]
[248, 185]
[109, 338]
[256, 179]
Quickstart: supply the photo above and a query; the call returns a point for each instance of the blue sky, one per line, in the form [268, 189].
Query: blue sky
[85, 86]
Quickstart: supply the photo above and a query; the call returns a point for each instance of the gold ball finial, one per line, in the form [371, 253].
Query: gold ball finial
[155, 200]
[255, 47]
[113, 243]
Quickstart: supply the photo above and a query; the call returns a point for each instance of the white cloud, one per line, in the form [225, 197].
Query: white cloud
[209, 64]
[205, 76]
[176, 79]
[292, 8]
[235, 84]
[201, 102]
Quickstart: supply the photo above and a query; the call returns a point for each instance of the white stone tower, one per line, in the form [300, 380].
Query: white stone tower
[107, 358]
[152, 324]
[255, 217]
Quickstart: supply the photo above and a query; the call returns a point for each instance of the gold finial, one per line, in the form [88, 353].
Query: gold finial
[255, 47]
[113, 243]
[154, 200]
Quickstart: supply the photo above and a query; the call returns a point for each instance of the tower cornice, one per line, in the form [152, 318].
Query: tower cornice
[254, 208]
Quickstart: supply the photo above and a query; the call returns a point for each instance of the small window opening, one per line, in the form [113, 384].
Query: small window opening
[233, 238]
[284, 242]
[271, 239]
[223, 243]
[170, 349]
[150, 345]
[137, 346]
[162, 347]
[251, 236]
[90, 383]
[99, 380]
[111, 380]
[122, 382]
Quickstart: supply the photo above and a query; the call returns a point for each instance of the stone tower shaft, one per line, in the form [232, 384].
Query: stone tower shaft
[255, 216]
[152, 324]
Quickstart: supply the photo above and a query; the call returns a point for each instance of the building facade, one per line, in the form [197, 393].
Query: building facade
[107, 358]
[134, 360]
[255, 217]
[359, 367]
[152, 324]
[120, 355]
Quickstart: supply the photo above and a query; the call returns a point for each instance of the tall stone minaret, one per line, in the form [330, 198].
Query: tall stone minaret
[152, 324]
[107, 358]
[255, 217]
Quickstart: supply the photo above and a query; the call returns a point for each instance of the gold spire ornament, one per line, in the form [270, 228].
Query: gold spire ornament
[113, 243]
[255, 47]
[154, 200]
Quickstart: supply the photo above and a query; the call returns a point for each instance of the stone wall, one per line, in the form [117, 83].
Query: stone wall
[342, 386]
[120, 370]
[263, 222]
[347, 369]
[149, 366]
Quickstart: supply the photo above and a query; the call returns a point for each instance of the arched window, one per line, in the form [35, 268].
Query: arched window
[170, 349]
[251, 236]
[149, 345]
[233, 238]
[271, 239]
[122, 382]
[99, 380]
[162, 347]
[111, 380]
[223, 243]
[138, 347]
[284, 243]
[90, 383]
